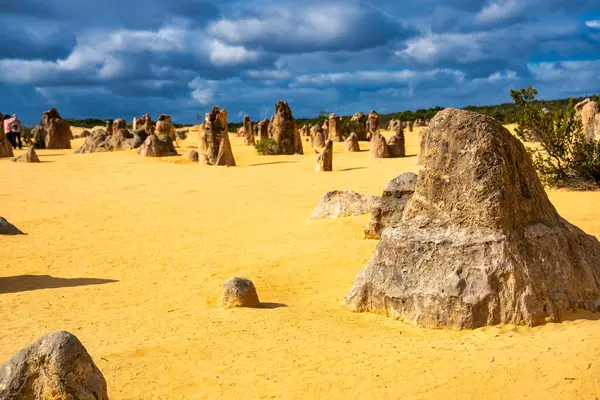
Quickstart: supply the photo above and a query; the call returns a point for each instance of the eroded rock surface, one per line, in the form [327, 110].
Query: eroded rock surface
[344, 203]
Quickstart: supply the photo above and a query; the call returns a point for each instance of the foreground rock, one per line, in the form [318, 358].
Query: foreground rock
[53, 132]
[239, 292]
[397, 145]
[214, 147]
[6, 149]
[344, 203]
[29, 157]
[352, 143]
[325, 158]
[379, 147]
[479, 242]
[56, 366]
[589, 113]
[6, 228]
[157, 146]
[388, 212]
[284, 132]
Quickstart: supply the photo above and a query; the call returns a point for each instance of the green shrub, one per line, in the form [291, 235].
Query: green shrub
[267, 147]
[567, 158]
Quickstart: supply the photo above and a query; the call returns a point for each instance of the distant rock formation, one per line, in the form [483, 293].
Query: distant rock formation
[325, 158]
[352, 143]
[214, 147]
[248, 131]
[397, 145]
[157, 146]
[360, 125]
[335, 128]
[53, 132]
[56, 366]
[263, 129]
[144, 122]
[164, 126]
[379, 147]
[284, 130]
[372, 124]
[317, 137]
[479, 243]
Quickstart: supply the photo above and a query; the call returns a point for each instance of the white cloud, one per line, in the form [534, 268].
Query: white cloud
[376, 77]
[463, 48]
[594, 24]
[222, 54]
[500, 11]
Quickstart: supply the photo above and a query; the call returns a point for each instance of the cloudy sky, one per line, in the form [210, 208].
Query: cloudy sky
[121, 58]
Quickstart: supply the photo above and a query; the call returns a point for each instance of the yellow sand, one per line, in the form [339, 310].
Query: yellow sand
[170, 233]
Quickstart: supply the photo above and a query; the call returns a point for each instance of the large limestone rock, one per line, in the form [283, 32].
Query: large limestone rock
[394, 125]
[344, 203]
[6, 228]
[479, 242]
[164, 126]
[6, 149]
[304, 131]
[53, 132]
[157, 146]
[589, 113]
[397, 145]
[56, 366]
[352, 143]
[411, 125]
[317, 137]
[325, 158]
[239, 292]
[119, 127]
[29, 157]
[263, 129]
[335, 128]
[360, 126]
[248, 131]
[379, 147]
[389, 211]
[214, 147]
[284, 130]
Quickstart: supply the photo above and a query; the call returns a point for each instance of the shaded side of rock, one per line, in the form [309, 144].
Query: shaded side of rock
[397, 145]
[379, 147]
[388, 213]
[6, 228]
[192, 155]
[284, 130]
[360, 126]
[248, 132]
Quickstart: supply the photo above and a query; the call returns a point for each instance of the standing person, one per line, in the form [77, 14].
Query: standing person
[8, 130]
[16, 128]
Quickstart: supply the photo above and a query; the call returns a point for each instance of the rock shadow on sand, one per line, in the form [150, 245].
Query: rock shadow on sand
[273, 163]
[26, 283]
[271, 306]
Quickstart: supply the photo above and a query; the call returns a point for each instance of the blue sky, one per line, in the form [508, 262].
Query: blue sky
[121, 58]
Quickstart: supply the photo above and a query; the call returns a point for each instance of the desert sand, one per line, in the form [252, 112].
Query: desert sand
[129, 254]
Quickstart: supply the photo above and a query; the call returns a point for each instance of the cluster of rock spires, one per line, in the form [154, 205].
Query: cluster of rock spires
[214, 147]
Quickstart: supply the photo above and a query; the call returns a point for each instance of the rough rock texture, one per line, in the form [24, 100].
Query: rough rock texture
[103, 141]
[239, 292]
[389, 211]
[284, 130]
[139, 137]
[372, 123]
[240, 132]
[6, 228]
[479, 242]
[248, 131]
[317, 137]
[53, 132]
[379, 147]
[214, 147]
[335, 128]
[119, 127]
[589, 113]
[352, 143]
[344, 203]
[325, 158]
[192, 155]
[361, 125]
[304, 131]
[411, 125]
[263, 129]
[157, 146]
[326, 129]
[100, 141]
[29, 157]
[144, 122]
[56, 366]
[397, 145]
[6, 149]
[164, 126]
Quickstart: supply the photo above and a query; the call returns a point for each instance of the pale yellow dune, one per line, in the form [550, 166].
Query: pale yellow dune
[170, 233]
